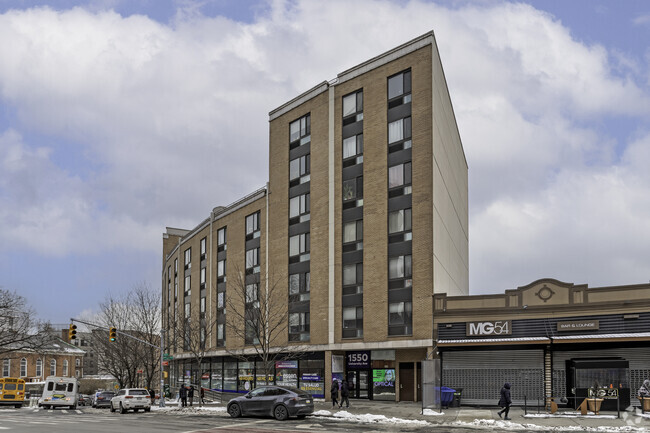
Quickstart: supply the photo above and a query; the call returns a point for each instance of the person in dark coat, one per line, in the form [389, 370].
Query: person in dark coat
[505, 401]
[334, 392]
[152, 394]
[345, 393]
[182, 394]
[202, 395]
[190, 394]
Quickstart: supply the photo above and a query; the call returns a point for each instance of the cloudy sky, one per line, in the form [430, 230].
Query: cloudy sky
[119, 118]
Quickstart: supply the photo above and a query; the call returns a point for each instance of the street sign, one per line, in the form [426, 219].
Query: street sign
[167, 357]
[165, 363]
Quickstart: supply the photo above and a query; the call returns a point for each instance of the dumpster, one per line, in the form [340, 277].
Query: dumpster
[446, 396]
[455, 402]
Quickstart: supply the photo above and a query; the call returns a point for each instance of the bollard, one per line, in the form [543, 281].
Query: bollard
[525, 405]
[618, 406]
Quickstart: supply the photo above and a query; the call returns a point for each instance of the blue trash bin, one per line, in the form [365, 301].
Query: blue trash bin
[446, 396]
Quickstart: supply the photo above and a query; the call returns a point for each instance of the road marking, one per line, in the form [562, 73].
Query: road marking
[64, 411]
[236, 426]
[78, 411]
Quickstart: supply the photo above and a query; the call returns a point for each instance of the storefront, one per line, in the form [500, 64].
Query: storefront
[548, 339]
[226, 374]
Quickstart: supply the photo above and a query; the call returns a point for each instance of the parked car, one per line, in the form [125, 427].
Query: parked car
[87, 400]
[279, 402]
[131, 399]
[104, 399]
[94, 397]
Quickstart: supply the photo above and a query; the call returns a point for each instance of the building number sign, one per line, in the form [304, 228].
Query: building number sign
[357, 360]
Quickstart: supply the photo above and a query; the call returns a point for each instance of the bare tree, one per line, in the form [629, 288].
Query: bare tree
[257, 314]
[137, 314]
[19, 328]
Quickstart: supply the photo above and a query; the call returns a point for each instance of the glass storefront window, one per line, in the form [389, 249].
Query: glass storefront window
[217, 376]
[245, 376]
[383, 384]
[259, 374]
[230, 376]
[602, 377]
[311, 377]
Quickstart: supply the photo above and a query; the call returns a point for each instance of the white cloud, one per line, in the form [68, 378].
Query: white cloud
[151, 125]
[641, 20]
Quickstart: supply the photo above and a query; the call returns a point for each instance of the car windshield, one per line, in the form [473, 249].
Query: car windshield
[107, 394]
[139, 392]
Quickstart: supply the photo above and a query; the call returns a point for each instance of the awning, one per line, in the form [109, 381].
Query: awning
[493, 341]
[630, 336]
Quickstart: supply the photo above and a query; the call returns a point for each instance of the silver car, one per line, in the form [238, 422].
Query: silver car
[131, 399]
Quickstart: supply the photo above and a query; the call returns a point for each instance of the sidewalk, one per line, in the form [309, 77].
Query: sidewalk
[374, 411]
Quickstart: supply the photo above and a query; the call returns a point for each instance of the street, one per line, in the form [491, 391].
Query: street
[100, 421]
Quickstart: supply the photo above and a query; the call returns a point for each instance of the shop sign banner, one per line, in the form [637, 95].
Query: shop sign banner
[358, 360]
[482, 329]
[383, 377]
[578, 325]
[310, 377]
[286, 364]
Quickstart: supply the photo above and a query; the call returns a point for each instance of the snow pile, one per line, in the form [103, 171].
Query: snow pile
[495, 425]
[192, 409]
[368, 418]
[567, 415]
[431, 412]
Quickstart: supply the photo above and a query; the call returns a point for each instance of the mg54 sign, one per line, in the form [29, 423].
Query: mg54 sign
[483, 329]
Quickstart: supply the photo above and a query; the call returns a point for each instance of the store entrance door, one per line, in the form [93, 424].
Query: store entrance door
[359, 383]
[406, 379]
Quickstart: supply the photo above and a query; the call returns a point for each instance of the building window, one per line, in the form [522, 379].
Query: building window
[399, 225]
[220, 333]
[6, 367]
[353, 231]
[399, 89]
[169, 284]
[53, 367]
[353, 107]
[252, 295]
[300, 131]
[253, 259]
[65, 367]
[221, 239]
[253, 225]
[221, 268]
[39, 367]
[299, 207]
[252, 326]
[399, 176]
[221, 300]
[353, 147]
[353, 276]
[400, 318]
[23, 367]
[353, 189]
[298, 326]
[175, 279]
[188, 285]
[188, 258]
[399, 267]
[77, 362]
[202, 306]
[352, 322]
[202, 281]
[203, 248]
[299, 287]
[400, 130]
[299, 245]
[299, 168]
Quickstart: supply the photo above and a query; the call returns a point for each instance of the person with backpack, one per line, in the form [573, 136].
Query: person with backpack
[345, 394]
[334, 392]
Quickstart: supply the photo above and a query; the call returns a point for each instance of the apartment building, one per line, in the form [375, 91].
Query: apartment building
[363, 220]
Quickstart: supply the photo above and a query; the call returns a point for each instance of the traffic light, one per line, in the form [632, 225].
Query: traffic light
[72, 332]
[112, 334]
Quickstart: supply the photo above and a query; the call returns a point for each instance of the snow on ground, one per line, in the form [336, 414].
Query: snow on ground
[496, 425]
[174, 407]
[431, 412]
[567, 415]
[368, 418]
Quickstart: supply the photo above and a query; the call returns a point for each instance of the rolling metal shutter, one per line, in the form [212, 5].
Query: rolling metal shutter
[639, 358]
[482, 373]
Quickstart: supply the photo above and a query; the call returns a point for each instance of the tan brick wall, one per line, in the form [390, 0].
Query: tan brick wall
[46, 357]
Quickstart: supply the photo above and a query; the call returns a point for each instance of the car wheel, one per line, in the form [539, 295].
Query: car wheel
[280, 412]
[122, 410]
[234, 410]
[112, 408]
[148, 409]
[18, 406]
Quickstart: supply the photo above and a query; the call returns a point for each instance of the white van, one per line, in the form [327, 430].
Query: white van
[59, 391]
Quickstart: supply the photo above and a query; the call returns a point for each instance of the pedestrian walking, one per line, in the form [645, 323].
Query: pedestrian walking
[345, 393]
[152, 394]
[190, 394]
[202, 395]
[182, 393]
[505, 401]
[334, 392]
